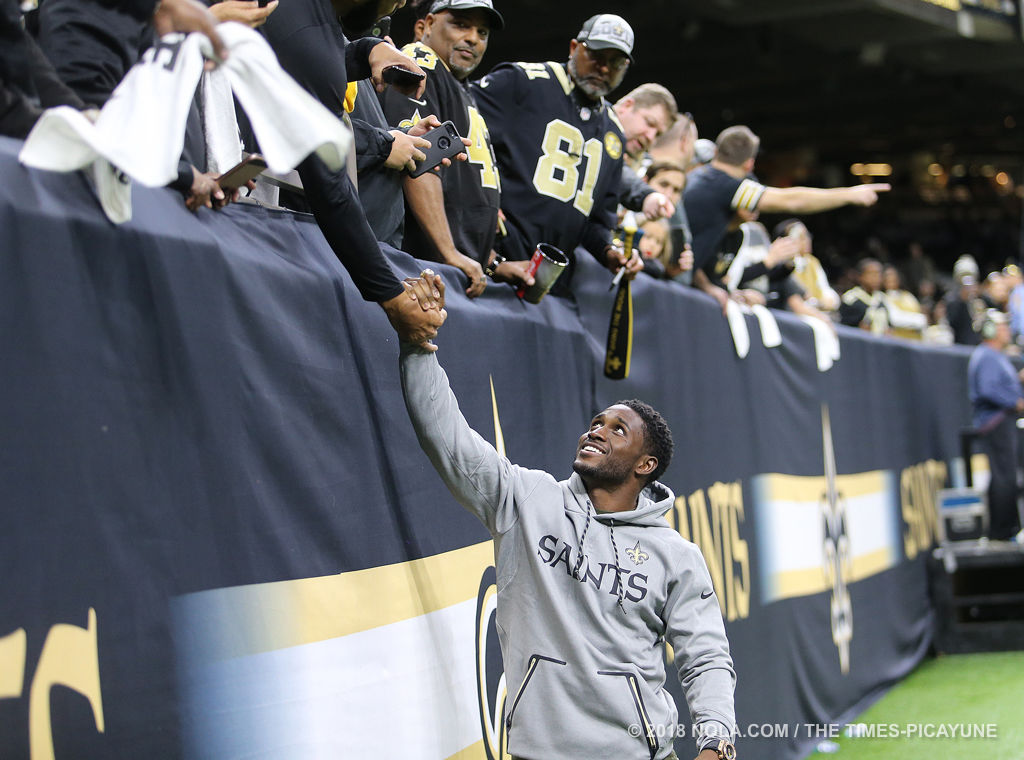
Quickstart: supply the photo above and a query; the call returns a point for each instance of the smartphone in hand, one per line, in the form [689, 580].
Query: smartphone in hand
[248, 168]
[402, 78]
[445, 142]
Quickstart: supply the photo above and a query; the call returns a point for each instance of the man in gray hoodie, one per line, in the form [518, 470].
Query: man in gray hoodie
[592, 583]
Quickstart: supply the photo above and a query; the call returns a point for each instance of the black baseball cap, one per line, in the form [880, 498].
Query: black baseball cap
[497, 22]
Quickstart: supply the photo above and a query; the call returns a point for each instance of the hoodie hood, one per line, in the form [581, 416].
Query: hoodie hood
[655, 500]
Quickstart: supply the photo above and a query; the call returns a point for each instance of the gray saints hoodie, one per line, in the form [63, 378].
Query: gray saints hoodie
[585, 600]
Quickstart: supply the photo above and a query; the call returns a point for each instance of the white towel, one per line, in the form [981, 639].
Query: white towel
[220, 125]
[141, 129]
[289, 122]
[738, 328]
[826, 342]
[770, 335]
[114, 189]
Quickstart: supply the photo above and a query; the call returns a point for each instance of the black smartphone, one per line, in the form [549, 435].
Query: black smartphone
[382, 28]
[445, 142]
[402, 78]
[263, 3]
[248, 168]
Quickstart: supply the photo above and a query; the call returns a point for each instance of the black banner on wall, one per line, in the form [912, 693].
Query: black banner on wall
[221, 538]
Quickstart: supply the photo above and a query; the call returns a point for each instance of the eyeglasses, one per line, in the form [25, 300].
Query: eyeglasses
[615, 60]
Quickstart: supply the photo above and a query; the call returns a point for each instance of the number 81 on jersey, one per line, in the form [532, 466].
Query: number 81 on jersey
[558, 175]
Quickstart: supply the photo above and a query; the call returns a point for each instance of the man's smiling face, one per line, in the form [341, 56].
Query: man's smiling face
[613, 446]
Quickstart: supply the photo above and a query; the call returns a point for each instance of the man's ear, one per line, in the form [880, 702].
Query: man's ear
[647, 464]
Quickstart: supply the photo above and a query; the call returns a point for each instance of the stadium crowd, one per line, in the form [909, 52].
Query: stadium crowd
[548, 157]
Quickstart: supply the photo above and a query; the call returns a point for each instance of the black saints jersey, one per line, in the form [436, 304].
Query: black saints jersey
[471, 188]
[711, 200]
[560, 156]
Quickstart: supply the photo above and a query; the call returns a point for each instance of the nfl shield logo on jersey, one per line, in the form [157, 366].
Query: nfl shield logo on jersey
[613, 145]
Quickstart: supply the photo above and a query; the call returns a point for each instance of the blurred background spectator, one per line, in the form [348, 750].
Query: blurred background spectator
[807, 270]
[863, 305]
[964, 306]
[906, 318]
[996, 400]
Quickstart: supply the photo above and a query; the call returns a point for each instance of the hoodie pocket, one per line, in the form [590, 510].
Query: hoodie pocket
[646, 726]
[531, 668]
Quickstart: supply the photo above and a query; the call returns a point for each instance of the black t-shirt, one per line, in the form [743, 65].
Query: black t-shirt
[711, 200]
[962, 316]
[560, 156]
[472, 189]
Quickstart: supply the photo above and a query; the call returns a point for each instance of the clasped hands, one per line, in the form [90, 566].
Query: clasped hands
[417, 313]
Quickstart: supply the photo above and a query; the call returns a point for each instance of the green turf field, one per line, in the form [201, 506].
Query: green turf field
[977, 692]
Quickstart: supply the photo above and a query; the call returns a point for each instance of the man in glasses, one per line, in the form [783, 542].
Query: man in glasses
[559, 146]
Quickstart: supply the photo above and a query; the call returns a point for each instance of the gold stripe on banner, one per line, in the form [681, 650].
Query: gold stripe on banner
[802, 488]
[472, 752]
[807, 581]
[979, 463]
[270, 616]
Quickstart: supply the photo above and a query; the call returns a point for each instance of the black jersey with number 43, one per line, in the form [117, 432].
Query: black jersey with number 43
[559, 153]
[471, 188]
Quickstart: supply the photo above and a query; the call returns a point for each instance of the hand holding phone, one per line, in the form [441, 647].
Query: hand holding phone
[402, 78]
[445, 142]
[239, 174]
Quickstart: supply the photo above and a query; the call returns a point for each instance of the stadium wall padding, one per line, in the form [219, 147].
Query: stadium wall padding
[221, 539]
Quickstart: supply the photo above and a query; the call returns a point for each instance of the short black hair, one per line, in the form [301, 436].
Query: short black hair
[657, 436]
[867, 262]
[421, 8]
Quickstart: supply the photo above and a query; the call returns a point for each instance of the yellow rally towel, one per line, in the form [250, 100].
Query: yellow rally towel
[350, 96]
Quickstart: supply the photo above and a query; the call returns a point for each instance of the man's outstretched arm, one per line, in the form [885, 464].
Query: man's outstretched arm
[481, 480]
[811, 200]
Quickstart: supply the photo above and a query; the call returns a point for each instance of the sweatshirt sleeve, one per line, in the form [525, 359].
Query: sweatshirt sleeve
[696, 632]
[480, 479]
[373, 145]
[357, 57]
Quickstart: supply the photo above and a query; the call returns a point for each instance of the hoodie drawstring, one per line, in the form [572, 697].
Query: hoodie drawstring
[615, 549]
[579, 559]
